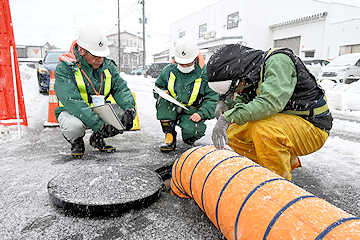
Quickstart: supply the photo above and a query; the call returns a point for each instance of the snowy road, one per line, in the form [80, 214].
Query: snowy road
[28, 164]
[347, 133]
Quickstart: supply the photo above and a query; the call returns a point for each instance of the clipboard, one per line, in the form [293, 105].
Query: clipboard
[108, 115]
[168, 97]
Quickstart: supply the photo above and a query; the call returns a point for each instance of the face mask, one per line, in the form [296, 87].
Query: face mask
[186, 69]
[220, 87]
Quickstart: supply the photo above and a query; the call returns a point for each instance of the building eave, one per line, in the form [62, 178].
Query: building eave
[303, 20]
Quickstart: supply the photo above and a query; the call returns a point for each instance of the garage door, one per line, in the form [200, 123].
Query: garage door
[293, 43]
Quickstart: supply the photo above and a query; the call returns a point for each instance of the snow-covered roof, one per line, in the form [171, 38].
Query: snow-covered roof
[132, 49]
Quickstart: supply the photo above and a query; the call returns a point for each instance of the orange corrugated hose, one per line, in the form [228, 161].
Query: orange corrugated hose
[247, 201]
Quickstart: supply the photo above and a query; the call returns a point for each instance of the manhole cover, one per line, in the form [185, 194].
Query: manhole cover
[102, 189]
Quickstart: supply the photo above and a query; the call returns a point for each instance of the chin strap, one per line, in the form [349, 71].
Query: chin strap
[228, 96]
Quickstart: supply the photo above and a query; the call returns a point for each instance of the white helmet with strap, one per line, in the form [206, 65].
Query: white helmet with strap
[94, 41]
[186, 50]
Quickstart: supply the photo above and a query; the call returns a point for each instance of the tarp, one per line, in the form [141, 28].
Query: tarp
[8, 98]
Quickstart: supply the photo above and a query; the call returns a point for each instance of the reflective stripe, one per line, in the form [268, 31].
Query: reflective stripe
[316, 111]
[83, 90]
[171, 85]
[81, 85]
[108, 86]
[194, 92]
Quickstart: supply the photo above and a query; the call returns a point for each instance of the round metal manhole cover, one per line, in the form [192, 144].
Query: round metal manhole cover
[103, 189]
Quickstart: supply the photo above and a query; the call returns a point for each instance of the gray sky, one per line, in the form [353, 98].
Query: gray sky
[59, 21]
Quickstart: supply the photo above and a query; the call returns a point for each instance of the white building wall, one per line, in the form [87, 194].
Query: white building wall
[343, 28]
[311, 37]
[215, 16]
[342, 34]
[340, 27]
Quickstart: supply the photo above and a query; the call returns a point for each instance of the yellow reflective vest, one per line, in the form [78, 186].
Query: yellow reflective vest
[84, 93]
[194, 92]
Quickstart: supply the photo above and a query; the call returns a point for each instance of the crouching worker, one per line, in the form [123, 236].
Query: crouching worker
[84, 73]
[279, 113]
[186, 81]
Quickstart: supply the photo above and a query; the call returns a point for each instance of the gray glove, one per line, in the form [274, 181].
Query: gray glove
[221, 107]
[219, 136]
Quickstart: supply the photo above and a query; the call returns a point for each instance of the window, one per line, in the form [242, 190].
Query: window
[349, 49]
[181, 34]
[233, 20]
[309, 54]
[202, 30]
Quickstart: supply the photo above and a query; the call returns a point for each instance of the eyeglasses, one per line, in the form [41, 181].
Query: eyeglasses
[86, 51]
[187, 64]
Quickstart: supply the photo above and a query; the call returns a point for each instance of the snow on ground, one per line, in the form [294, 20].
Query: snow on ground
[331, 173]
[343, 99]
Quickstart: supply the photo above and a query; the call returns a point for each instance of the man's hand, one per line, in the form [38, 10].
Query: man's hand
[219, 136]
[221, 107]
[128, 118]
[165, 91]
[195, 117]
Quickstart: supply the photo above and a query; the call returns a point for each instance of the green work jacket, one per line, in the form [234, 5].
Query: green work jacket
[185, 84]
[273, 95]
[69, 95]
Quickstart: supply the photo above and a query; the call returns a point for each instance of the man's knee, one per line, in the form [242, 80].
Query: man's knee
[71, 127]
[190, 129]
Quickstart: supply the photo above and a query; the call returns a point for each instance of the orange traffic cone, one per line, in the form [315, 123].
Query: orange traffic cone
[53, 103]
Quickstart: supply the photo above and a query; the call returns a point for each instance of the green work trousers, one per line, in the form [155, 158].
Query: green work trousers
[169, 111]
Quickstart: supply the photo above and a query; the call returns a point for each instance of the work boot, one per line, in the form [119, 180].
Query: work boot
[77, 148]
[190, 141]
[99, 143]
[170, 142]
[168, 127]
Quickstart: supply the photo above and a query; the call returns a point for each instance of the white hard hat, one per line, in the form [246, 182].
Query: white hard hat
[220, 87]
[186, 50]
[94, 41]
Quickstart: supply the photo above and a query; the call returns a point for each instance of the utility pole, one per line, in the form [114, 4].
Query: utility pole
[144, 52]
[119, 44]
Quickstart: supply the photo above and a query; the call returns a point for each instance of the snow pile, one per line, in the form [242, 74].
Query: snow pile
[342, 97]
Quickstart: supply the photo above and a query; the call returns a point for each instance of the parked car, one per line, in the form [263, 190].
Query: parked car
[343, 69]
[154, 69]
[315, 64]
[138, 71]
[49, 63]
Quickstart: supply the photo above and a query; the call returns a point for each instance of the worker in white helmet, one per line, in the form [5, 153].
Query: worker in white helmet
[83, 76]
[186, 81]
